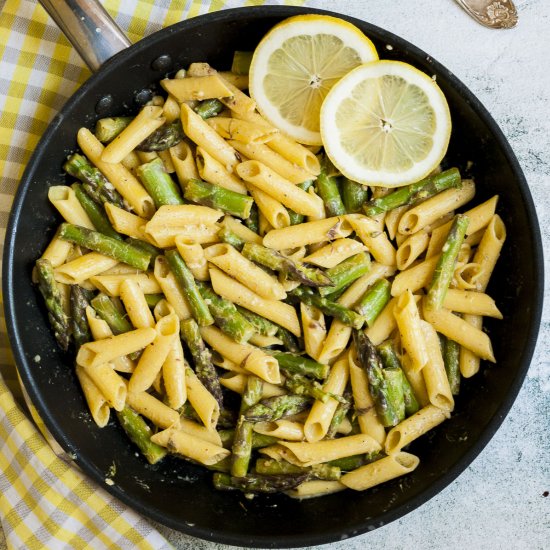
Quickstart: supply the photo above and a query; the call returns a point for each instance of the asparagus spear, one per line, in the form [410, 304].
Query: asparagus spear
[146, 247]
[273, 408]
[339, 414]
[121, 251]
[95, 183]
[345, 315]
[209, 108]
[374, 301]
[343, 274]
[299, 384]
[188, 285]
[349, 463]
[290, 342]
[107, 129]
[370, 361]
[226, 316]
[354, 195]
[153, 299]
[140, 433]
[396, 395]
[202, 359]
[258, 440]
[54, 303]
[327, 188]
[158, 183]
[242, 442]
[299, 364]
[163, 138]
[451, 354]
[444, 269]
[260, 324]
[115, 317]
[296, 218]
[415, 192]
[209, 194]
[272, 259]
[79, 301]
[227, 236]
[271, 467]
[254, 483]
[253, 221]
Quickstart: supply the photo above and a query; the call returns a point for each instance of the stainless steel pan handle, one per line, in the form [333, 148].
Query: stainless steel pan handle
[89, 28]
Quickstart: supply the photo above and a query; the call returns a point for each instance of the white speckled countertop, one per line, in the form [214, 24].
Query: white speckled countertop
[501, 500]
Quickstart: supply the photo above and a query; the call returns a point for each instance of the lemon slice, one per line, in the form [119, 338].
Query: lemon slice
[297, 63]
[386, 123]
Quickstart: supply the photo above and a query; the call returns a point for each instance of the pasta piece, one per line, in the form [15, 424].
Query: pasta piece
[182, 215]
[66, 203]
[109, 383]
[156, 411]
[315, 488]
[374, 238]
[58, 250]
[237, 382]
[165, 237]
[110, 284]
[99, 408]
[135, 304]
[173, 376]
[414, 278]
[473, 303]
[196, 87]
[82, 268]
[202, 401]
[281, 429]
[384, 324]
[125, 222]
[335, 252]
[410, 249]
[193, 256]
[469, 362]
[416, 380]
[241, 130]
[243, 232]
[271, 210]
[213, 171]
[171, 289]
[314, 329]
[184, 162]
[200, 432]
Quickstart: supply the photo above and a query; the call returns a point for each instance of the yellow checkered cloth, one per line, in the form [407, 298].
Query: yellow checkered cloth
[45, 502]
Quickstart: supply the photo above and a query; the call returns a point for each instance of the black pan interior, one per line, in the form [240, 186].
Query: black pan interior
[181, 495]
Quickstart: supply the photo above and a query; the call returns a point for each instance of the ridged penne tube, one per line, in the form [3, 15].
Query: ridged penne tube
[110, 284]
[391, 220]
[435, 376]
[238, 102]
[66, 203]
[237, 227]
[199, 431]
[193, 256]
[410, 249]
[261, 341]
[320, 416]
[125, 222]
[413, 427]
[188, 445]
[171, 109]
[408, 320]
[274, 310]
[226, 364]
[465, 276]
[414, 278]
[241, 130]
[238, 80]
[165, 237]
[171, 289]
[236, 381]
[380, 471]
[182, 215]
[232, 262]
[368, 420]
[317, 452]
[314, 329]
[109, 383]
[295, 236]
[167, 161]
[416, 380]
[268, 180]
[430, 210]
[262, 153]
[142, 126]
[371, 233]
[135, 304]
[335, 252]
[202, 400]
[184, 162]
[462, 332]
[156, 411]
[252, 359]
[271, 210]
[131, 160]
[383, 325]
[173, 375]
[474, 303]
[121, 178]
[103, 351]
[82, 268]
[281, 429]
[196, 87]
[213, 171]
[97, 404]
[199, 132]
[315, 488]
[468, 361]
[154, 355]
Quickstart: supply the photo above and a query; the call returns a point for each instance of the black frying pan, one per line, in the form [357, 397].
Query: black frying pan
[178, 494]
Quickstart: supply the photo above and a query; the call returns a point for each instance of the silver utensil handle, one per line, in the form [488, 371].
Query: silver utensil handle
[89, 28]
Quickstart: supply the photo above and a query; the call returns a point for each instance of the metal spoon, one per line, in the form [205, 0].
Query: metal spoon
[500, 14]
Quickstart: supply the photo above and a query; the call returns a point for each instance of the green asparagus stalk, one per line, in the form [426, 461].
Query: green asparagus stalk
[274, 260]
[300, 364]
[254, 483]
[261, 325]
[94, 240]
[79, 301]
[241, 62]
[274, 408]
[444, 269]
[296, 218]
[107, 129]
[153, 299]
[339, 414]
[349, 463]
[94, 182]
[343, 274]
[451, 357]
[396, 395]
[163, 138]
[54, 303]
[209, 194]
[327, 188]
[226, 316]
[370, 361]
[202, 359]
[140, 434]
[209, 108]
[354, 195]
[185, 278]
[253, 221]
[159, 184]
[290, 342]
[345, 315]
[415, 192]
[258, 440]
[146, 247]
[95, 212]
[374, 301]
[114, 316]
[242, 442]
[298, 384]
[272, 467]
[227, 236]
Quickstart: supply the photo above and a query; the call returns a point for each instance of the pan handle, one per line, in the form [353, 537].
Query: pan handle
[89, 28]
